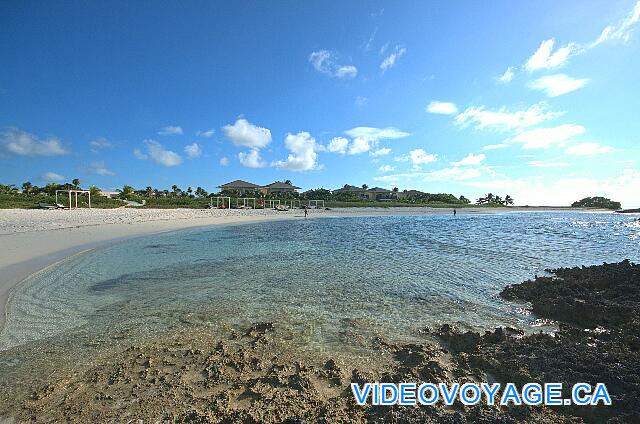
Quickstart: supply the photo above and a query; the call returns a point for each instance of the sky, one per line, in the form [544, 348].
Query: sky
[539, 100]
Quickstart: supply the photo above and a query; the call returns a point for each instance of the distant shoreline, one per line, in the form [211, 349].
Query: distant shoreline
[36, 239]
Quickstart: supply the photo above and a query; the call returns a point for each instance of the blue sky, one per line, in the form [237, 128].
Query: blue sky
[537, 100]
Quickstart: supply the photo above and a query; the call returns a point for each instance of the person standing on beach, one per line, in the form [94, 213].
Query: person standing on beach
[454, 212]
[306, 212]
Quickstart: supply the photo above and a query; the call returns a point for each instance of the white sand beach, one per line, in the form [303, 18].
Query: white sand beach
[34, 239]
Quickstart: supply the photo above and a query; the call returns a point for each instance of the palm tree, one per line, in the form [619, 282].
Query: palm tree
[288, 182]
[75, 182]
[364, 186]
[27, 187]
[508, 200]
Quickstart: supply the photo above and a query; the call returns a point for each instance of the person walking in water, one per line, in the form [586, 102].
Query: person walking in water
[454, 212]
[306, 212]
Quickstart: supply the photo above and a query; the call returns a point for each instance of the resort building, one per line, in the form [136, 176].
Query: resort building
[409, 194]
[358, 192]
[379, 193]
[240, 187]
[246, 188]
[278, 187]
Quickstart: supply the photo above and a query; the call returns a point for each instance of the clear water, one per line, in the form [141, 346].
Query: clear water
[322, 278]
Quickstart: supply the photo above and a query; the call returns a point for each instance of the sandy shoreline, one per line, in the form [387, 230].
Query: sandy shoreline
[35, 239]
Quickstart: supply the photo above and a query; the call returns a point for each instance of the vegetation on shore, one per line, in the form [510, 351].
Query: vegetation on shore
[596, 202]
[30, 195]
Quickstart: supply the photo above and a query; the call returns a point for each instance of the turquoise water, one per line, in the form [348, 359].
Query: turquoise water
[327, 280]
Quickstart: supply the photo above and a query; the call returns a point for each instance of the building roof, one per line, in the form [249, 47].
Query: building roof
[278, 184]
[239, 184]
[379, 190]
[348, 187]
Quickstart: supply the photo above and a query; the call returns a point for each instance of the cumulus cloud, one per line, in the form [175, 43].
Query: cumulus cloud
[193, 151]
[588, 149]
[326, 63]
[502, 119]
[508, 75]
[446, 174]
[158, 154]
[303, 154]
[21, 143]
[224, 161]
[443, 108]
[542, 138]
[359, 145]
[419, 157]
[99, 168]
[170, 130]
[52, 177]
[546, 58]
[622, 30]
[470, 159]
[381, 152]
[244, 133]
[338, 145]
[392, 59]
[251, 159]
[206, 134]
[558, 84]
[99, 144]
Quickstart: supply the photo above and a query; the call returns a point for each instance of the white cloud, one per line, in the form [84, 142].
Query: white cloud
[100, 143]
[18, 142]
[193, 151]
[158, 154]
[621, 31]
[224, 161]
[375, 134]
[588, 149]
[508, 75]
[52, 177]
[365, 138]
[303, 154]
[338, 145]
[251, 159]
[547, 164]
[359, 145]
[558, 84]
[99, 168]
[495, 146]
[170, 130]
[206, 134]
[502, 119]
[391, 60]
[325, 62]
[419, 157]
[542, 138]
[443, 108]
[470, 159]
[386, 168]
[381, 152]
[139, 155]
[244, 133]
[546, 58]
[562, 191]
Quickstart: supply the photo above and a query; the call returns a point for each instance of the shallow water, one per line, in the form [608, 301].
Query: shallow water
[325, 279]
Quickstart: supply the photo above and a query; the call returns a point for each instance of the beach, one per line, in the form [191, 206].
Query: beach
[34, 239]
[205, 370]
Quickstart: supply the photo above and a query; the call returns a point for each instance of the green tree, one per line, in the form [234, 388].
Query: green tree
[126, 192]
[27, 187]
[75, 182]
[364, 186]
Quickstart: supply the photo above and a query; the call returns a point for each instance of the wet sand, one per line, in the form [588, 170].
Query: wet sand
[253, 375]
